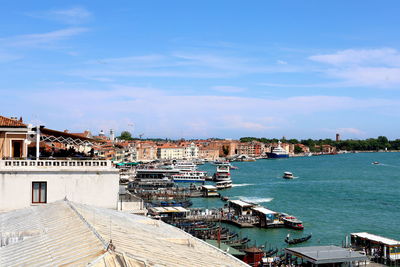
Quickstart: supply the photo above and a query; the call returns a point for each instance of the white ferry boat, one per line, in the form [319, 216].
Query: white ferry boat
[189, 177]
[222, 173]
[185, 166]
[223, 184]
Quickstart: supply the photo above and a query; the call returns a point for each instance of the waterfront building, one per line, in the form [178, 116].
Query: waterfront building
[66, 233]
[383, 250]
[251, 149]
[208, 153]
[191, 151]
[146, 151]
[170, 151]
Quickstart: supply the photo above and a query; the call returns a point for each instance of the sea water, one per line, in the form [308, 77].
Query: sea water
[334, 195]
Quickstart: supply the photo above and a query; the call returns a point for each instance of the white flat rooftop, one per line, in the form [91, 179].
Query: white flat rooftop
[377, 238]
[264, 210]
[241, 203]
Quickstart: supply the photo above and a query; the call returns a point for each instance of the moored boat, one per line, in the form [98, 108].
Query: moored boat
[297, 240]
[278, 152]
[223, 184]
[292, 222]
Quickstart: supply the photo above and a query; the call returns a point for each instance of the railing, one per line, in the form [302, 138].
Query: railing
[11, 164]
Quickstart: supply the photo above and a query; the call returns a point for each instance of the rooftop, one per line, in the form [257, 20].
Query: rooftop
[377, 238]
[241, 203]
[326, 254]
[7, 122]
[67, 233]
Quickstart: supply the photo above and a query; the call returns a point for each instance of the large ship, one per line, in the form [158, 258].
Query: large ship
[278, 152]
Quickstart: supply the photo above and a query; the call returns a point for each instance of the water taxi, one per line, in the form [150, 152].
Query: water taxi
[292, 222]
[288, 175]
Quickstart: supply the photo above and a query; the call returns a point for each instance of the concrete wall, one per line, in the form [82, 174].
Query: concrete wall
[94, 187]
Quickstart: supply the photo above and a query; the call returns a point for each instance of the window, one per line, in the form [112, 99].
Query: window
[39, 192]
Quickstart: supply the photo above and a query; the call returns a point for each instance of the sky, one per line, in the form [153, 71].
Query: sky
[200, 69]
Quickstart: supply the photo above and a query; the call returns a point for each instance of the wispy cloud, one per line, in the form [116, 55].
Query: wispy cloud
[150, 108]
[228, 89]
[363, 67]
[179, 64]
[40, 39]
[73, 15]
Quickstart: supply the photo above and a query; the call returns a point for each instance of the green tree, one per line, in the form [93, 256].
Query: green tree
[125, 135]
[298, 149]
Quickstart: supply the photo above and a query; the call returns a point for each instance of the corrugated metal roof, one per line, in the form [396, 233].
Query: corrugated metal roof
[65, 233]
[47, 235]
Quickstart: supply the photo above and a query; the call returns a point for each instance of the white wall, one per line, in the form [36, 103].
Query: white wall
[97, 188]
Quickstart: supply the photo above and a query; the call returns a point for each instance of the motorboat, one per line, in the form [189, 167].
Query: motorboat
[292, 222]
[375, 163]
[288, 175]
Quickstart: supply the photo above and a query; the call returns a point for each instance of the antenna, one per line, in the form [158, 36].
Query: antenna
[140, 135]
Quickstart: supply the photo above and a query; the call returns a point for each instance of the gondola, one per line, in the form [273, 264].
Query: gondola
[297, 240]
[271, 252]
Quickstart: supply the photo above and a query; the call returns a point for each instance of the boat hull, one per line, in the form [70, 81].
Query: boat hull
[277, 156]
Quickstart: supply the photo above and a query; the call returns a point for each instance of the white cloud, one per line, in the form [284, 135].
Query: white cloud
[73, 15]
[157, 113]
[383, 56]
[281, 62]
[177, 64]
[228, 89]
[364, 67]
[37, 39]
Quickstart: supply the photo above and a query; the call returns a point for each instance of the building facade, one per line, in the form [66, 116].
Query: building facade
[25, 183]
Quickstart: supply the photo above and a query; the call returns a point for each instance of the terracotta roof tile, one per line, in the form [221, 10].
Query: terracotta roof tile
[7, 122]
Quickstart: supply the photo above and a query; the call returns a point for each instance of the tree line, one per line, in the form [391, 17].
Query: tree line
[380, 143]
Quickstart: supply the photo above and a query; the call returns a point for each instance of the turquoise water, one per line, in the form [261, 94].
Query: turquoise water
[333, 195]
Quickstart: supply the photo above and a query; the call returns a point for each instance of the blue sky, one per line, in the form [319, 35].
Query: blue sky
[198, 69]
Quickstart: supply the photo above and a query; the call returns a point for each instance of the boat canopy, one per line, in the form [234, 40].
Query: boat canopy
[377, 238]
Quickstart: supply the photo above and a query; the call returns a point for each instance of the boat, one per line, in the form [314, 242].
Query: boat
[375, 163]
[288, 175]
[222, 173]
[234, 167]
[278, 152]
[292, 222]
[223, 184]
[188, 177]
[184, 166]
[271, 252]
[297, 240]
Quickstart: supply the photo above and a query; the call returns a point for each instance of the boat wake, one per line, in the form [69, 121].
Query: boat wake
[256, 199]
[240, 185]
